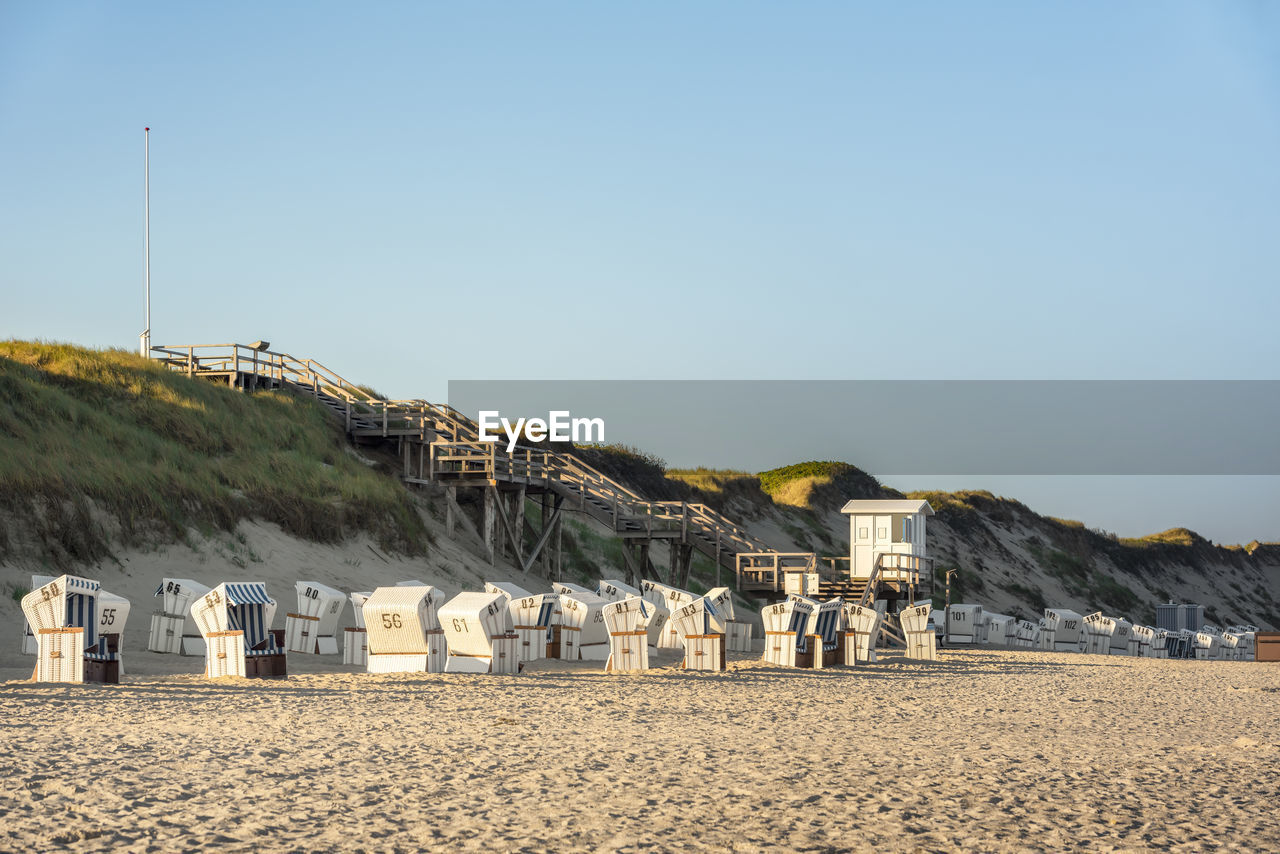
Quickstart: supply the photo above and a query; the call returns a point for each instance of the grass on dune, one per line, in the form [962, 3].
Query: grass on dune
[87, 433]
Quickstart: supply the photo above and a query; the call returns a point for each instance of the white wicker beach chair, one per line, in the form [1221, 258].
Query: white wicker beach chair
[627, 622]
[861, 627]
[1141, 637]
[234, 619]
[999, 629]
[964, 625]
[786, 626]
[583, 634]
[402, 629]
[615, 590]
[737, 633]
[355, 639]
[173, 630]
[1120, 638]
[1159, 644]
[701, 632]
[30, 646]
[1207, 643]
[1098, 631]
[64, 619]
[531, 617]
[313, 628]
[570, 589]
[480, 634]
[1063, 631]
[672, 599]
[922, 643]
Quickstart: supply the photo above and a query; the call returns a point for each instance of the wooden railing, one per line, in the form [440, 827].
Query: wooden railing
[456, 449]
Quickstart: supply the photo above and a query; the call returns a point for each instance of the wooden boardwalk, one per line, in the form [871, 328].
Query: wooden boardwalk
[437, 444]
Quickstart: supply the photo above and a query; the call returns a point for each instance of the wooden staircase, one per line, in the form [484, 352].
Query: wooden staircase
[448, 449]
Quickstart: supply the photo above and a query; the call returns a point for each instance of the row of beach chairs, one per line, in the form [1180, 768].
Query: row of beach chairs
[1064, 630]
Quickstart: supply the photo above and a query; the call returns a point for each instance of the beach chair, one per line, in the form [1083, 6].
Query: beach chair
[480, 634]
[569, 589]
[583, 634]
[861, 628]
[1063, 631]
[113, 616]
[313, 628]
[1098, 631]
[1230, 643]
[355, 639]
[402, 629]
[173, 630]
[1159, 644]
[922, 643]
[672, 599]
[785, 630]
[737, 633]
[701, 631]
[996, 629]
[627, 622]
[531, 618]
[1140, 640]
[63, 614]
[234, 619]
[1207, 643]
[1026, 634]
[615, 591]
[30, 646]
[1120, 638]
[964, 625]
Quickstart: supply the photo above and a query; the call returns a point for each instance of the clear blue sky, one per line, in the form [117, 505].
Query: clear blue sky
[420, 192]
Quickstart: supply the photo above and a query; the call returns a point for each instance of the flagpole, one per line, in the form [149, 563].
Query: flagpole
[146, 238]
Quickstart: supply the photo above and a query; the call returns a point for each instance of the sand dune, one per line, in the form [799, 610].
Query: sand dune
[982, 750]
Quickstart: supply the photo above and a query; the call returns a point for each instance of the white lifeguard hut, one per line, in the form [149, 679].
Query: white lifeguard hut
[885, 527]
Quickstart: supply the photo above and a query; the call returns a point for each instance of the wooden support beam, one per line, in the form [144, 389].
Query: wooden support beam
[487, 525]
[685, 561]
[547, 530]
[513, 537]
[451, 510]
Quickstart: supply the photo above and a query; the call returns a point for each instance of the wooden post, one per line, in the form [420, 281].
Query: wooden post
[559, 546]
[518, 524]
[487, 525]
[450, 515]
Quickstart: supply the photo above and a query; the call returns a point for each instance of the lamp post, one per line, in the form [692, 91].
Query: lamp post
[145, 337]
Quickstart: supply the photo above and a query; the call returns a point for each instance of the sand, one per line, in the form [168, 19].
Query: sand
[981, 750]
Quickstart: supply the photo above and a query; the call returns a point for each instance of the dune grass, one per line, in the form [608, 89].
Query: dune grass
[102, 445]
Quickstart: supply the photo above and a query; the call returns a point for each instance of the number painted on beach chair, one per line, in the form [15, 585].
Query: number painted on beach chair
[391, 621]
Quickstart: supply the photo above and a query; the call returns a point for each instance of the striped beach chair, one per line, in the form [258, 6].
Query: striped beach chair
[531, 617]
[737, 633]
[234, 619]
[785, 630]
[861, 628]
[64, 619]
[701, 632]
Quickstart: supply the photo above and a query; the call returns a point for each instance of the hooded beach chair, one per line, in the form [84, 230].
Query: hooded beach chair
[670, 598]
[786, 630]
[531, 617]
[173, 630]
[355, 639]
[861, 627]
[64, 619]
[313, 628]
[402, 629]
[1141, 638]
[615, 590]
[29, 644]
[737, 633]
[922, 643]
[627, 621]
[571, 589]
[1121, 638]
[1207, 643]
[964, 625]
[1098, 631]
[701, 632]
[583, 634]
[1063, 631]
[234, 619]
[1000, 629]
[480, 634]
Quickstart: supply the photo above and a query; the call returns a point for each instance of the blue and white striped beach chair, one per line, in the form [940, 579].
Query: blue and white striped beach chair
[235, 621]
[785, 630]
[63, 615]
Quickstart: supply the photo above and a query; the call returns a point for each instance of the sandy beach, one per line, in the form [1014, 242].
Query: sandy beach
[981, 750]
